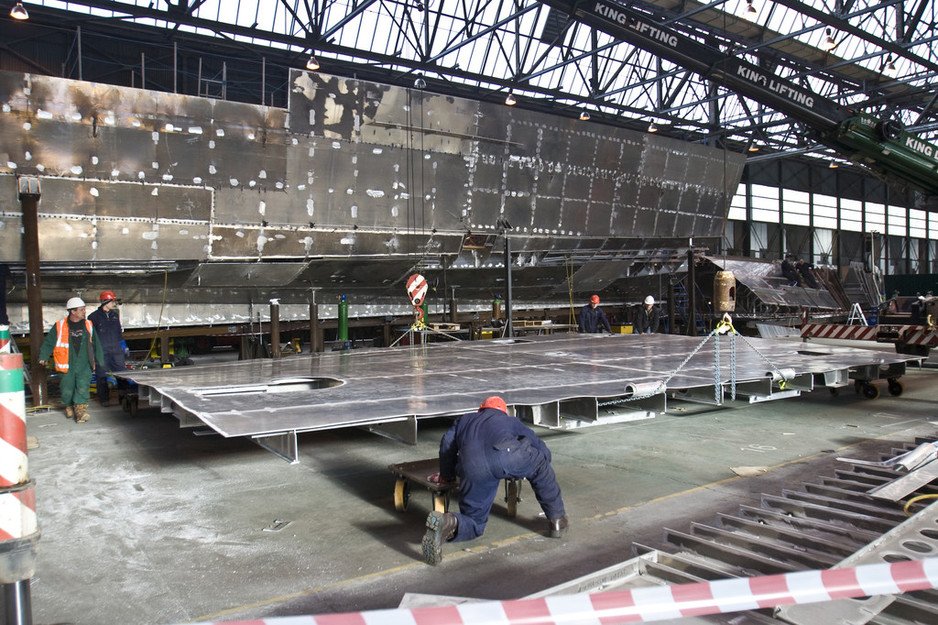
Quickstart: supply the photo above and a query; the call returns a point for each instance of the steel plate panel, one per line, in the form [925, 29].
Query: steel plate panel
[343, 389]
[134, 240]
[11, 238]
[246, 274]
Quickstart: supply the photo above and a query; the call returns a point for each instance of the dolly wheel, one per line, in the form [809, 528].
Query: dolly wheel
[870, 391]
[895, 387]
[401, 495]
[512, 495]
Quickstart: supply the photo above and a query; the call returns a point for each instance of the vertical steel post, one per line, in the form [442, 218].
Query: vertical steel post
[275, 328]
[672, 309]
[343, 319]
[509, 331]
[691, 293]
[315, 328]
[30, 192]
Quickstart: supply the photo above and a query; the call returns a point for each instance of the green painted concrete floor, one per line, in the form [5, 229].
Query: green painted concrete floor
[145, 523]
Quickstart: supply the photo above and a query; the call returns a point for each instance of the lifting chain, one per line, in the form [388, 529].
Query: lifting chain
[725, 326]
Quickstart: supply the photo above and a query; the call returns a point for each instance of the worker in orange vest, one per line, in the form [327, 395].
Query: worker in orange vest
[73, 346]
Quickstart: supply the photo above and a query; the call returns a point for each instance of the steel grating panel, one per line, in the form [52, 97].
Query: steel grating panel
[561, 372]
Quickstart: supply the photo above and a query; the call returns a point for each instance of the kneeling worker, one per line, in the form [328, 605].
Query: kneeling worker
[482, 448]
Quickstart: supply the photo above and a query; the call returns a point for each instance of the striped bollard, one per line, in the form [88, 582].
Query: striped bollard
[5, 347]
[19, 529]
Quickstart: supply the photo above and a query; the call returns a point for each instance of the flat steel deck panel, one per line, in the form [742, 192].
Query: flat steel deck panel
[258, 397]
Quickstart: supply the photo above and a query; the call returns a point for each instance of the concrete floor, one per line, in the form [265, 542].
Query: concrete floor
[144, 523]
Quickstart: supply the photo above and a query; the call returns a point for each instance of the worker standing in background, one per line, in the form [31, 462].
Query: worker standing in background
[483, 448]
[107, 324]
[648, 317]
[790, 270]
[73, 346]
[806, 271]
[592, 318]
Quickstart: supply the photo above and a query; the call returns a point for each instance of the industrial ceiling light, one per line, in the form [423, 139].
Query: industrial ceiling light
[420, 83]
[829, 43]
[750, 13]
[510, 100]
[833, 165]
[890, 69]
[312, 64]
[753, 147]
[584, 115]
[19, 12]
[652, 127]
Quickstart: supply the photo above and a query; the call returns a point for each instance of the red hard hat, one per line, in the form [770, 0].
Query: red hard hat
[594, 299]
[495, 402]
[107, 296]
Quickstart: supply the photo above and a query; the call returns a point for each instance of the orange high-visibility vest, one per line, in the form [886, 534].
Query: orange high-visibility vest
[60, 352]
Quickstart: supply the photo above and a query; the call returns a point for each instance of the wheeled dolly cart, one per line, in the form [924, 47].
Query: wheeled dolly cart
[418, 472]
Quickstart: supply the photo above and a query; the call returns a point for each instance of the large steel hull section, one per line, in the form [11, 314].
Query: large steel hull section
[189, 202]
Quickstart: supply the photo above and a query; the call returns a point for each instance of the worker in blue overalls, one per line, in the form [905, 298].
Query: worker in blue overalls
[481, 449]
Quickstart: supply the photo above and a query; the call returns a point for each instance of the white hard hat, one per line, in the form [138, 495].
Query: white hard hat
[74, 302]
[650, 300]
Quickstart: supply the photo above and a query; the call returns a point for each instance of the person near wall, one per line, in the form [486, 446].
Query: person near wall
[806, 271]
[73, 346]
[107, 324]
[481, 449]
[790, 271]
[592, 318]
[647, 318]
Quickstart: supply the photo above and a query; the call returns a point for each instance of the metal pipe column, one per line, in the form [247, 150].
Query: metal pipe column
[275, 328]
[509, 331]
[691, 293]
[315, 328]
[29, 193]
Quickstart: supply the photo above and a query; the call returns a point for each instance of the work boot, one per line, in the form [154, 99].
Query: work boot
[441, 526]
[558, 527]
[81, 413]
[69, 412]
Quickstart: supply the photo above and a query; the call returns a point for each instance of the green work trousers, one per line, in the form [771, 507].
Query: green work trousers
[75, 384]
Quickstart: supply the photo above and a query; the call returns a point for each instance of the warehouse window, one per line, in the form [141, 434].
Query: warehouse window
[765, 203]
[796, 208]
[897, 221]
[851, 215]
[875, 215]
[738, 205]
[825, 211]
[918, 226]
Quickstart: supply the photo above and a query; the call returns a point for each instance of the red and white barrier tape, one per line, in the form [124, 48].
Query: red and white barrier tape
[921, 336]
[835, 331]
[5, 347]
[18, 512]
[13, 459]
[654, 603]
[17, 496]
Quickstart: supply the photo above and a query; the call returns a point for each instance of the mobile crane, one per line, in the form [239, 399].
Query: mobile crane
[883, 146]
